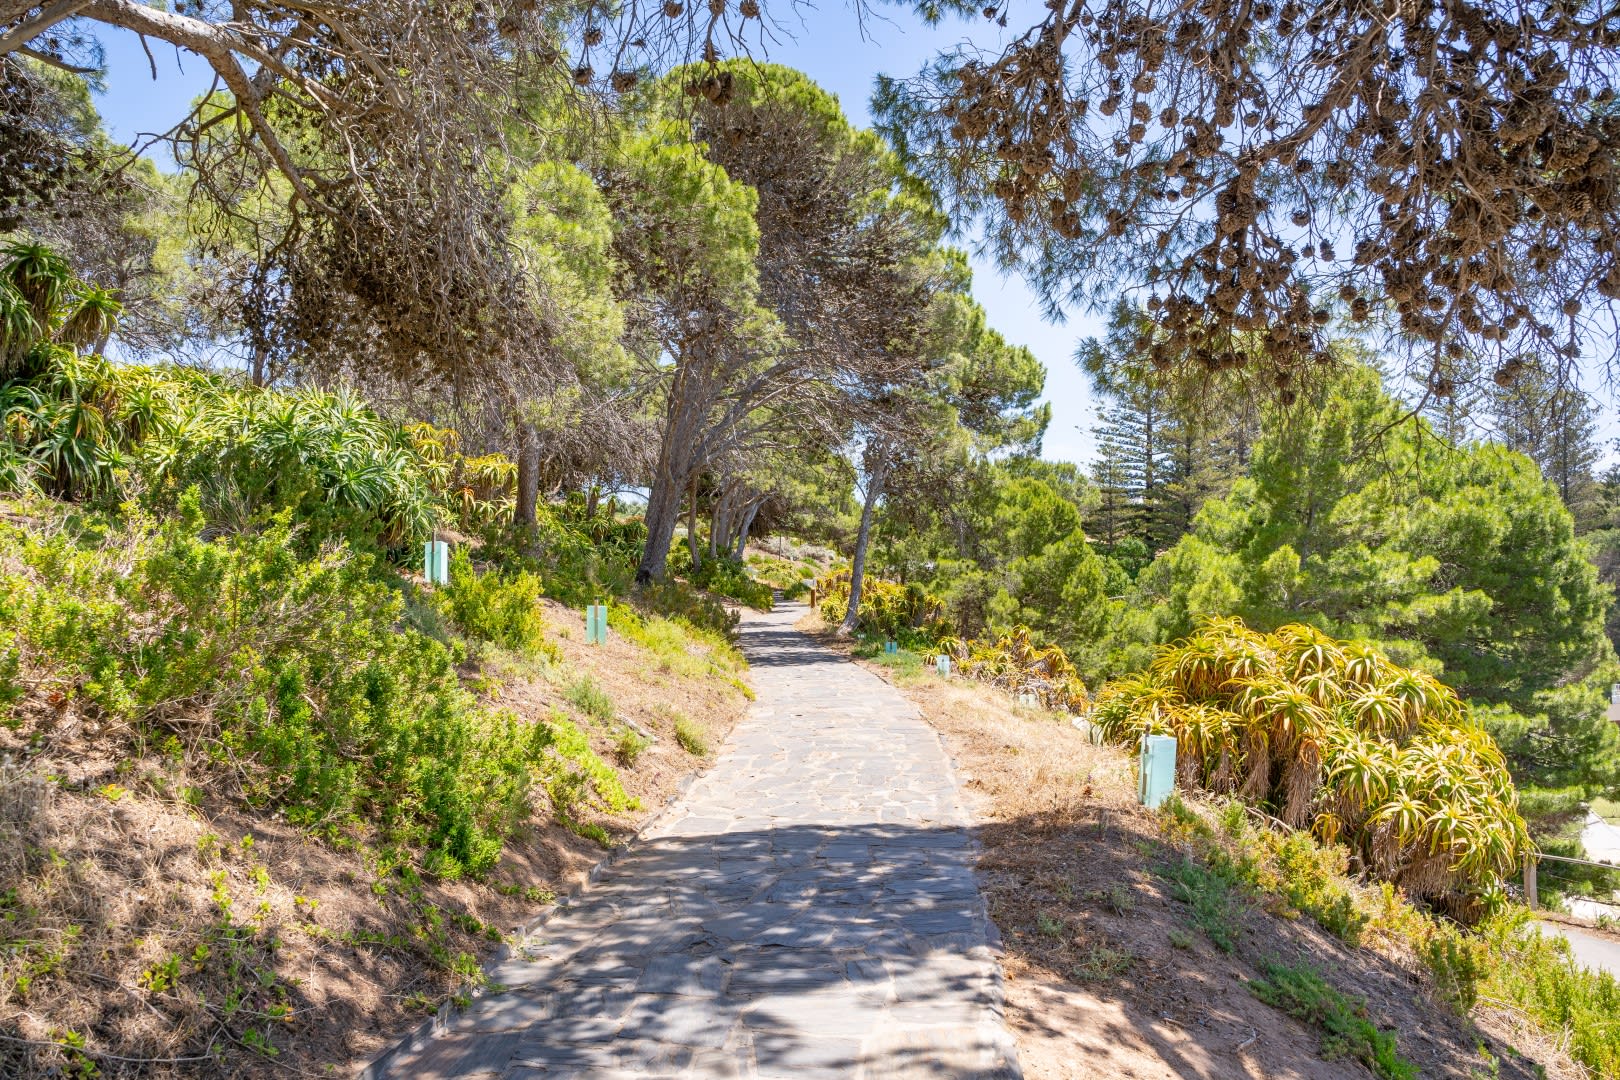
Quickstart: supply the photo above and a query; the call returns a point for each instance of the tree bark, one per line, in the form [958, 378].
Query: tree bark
[691, 524]
[747, 523]
[664, 501]
[717, 520]
[663, 511]
[678, 463]
[857, 563]
[528, 476]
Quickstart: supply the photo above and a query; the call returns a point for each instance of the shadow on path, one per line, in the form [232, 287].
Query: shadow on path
[808, 909]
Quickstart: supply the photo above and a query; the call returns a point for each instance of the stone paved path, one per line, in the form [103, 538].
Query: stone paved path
[808, 909]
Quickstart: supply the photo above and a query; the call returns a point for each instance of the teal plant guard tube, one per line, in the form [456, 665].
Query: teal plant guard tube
[942, 664]
[1156, 777]
[596, 619]
[441, 562]
[428, 563]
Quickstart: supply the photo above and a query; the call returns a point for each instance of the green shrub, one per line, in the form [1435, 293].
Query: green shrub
[1312, 880]
[723, 576]
[679, 646]
[629, 745]
[691, 735]
[1212, 897]
[1535, 971]
[290, 673]
[680, 602]
[1346, 1031]
[1457, 962]
[1309, 876]
[496, 607]
[888, 609]
[587, 780]
[1335, 738]
[591, 699]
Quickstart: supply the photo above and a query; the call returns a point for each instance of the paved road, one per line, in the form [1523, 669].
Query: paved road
[1591, 950]
[808, 909]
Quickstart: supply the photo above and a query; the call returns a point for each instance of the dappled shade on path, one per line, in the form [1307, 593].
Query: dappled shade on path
[808, 909]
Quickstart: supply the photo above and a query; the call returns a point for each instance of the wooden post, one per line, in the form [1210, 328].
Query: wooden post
[1530, 882]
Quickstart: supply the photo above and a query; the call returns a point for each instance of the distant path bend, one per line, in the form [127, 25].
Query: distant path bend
[808, 909]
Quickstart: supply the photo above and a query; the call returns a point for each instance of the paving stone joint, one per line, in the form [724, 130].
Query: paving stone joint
[807, 909]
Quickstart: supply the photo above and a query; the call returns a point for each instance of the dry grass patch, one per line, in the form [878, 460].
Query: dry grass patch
[1113, 950]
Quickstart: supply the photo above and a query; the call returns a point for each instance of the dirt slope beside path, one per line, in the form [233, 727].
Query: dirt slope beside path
[809, 908]
[149, 918]
[1108, 975]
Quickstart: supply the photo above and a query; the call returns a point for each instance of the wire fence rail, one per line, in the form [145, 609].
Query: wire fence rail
[1532, 873]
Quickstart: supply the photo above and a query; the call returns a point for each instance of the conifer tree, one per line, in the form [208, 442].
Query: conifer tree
[1553, 423]
[1108, 522]
[1128, 465]
[1165, 445]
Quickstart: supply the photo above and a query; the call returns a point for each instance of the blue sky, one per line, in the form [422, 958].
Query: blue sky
[837, 56]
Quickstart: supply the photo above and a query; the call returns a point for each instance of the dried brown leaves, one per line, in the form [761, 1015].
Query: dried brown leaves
[1445, 169]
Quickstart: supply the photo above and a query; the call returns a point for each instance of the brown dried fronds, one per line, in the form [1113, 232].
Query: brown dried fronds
[1244, 163]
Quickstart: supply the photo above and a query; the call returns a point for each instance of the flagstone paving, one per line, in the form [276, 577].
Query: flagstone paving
[807, 909]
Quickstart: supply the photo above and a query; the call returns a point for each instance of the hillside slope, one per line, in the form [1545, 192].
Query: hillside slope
[163, 917]
[1145, 944]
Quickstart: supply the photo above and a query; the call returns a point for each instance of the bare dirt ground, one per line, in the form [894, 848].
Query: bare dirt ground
[163, 932]
[1105, 975]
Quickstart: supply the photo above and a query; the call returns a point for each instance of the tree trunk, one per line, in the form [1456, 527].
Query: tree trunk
[663, 511]
[742, 533]
[857, 563]
[592, 494]
[691, 524]
[670, 480]
[528, 476]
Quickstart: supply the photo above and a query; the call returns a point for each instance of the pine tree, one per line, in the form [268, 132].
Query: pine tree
[1108, 523]
[1164, 446]
[1131, 461]
[1554, 424]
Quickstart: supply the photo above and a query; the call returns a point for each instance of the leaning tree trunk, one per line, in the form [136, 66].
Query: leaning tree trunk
[663, 512]
[747, 523]
[857, 563]
[528, 476]
[674, 472]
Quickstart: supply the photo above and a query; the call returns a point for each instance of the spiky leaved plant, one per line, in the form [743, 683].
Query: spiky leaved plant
[1334, 737]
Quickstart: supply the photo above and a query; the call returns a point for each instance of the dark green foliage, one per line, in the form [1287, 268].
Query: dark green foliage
[1346, 1031]
[1554, 424]
[1009, 550]
[724, 576]
[1212, 895]
[1165, 443]
[1355, 518]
